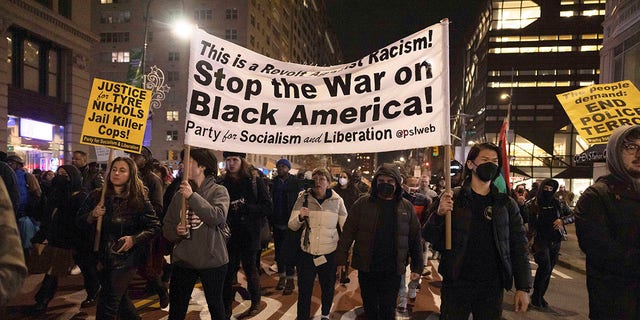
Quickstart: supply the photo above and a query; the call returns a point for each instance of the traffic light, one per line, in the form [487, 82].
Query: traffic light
[435, 151]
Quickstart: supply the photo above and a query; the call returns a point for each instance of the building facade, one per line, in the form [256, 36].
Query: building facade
[44, 79]
[288, 30]
[519, 55]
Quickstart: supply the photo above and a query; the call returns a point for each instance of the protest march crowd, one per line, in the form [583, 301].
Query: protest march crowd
[212, 224]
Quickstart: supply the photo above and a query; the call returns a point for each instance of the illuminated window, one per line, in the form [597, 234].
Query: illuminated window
[546, 84]
[565, 37]
[567, 2]
[120, 56]
[514, 14]
[563, 84]
[590, 13]
[565, 49]
[586, 83]
[566, 14]
[529, 38]
[173, 115]
[590, 48]
[526, 84]
[528, 50]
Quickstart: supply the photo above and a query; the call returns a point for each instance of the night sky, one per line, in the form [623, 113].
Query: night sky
[363, 26]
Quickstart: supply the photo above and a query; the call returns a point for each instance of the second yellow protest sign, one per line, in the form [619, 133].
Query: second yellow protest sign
[598, 109]
[116, 116]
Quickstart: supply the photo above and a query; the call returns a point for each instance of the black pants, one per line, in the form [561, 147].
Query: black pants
[546, 259]
[114, 301]
[182, 282]
[87, 262]
[248, 257]
[284, 266]
[307, 272]
[459, 300]
[379, 291]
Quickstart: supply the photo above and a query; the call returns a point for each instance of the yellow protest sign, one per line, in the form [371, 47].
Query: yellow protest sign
[116, 116]
[598, 109]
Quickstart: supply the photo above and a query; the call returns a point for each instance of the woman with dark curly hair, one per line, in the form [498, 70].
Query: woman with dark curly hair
[129, 221]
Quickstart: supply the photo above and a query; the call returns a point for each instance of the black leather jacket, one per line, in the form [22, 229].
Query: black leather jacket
[122, 220]
[509, 237]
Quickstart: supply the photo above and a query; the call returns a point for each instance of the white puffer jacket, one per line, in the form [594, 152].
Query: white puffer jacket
[323, 222]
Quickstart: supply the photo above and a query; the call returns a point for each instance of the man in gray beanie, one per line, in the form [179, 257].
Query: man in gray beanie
[386, 232]
[608, 230]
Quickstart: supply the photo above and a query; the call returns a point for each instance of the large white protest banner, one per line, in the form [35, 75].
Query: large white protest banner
[394, 98]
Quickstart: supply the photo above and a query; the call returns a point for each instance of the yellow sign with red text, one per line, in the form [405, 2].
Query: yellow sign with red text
[598, 109]
[116, 116]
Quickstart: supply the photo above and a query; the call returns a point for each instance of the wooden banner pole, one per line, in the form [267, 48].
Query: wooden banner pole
[447, 180]
[96, 242]
[185, 177]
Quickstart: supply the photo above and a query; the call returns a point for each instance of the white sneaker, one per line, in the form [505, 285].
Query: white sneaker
[75, 271]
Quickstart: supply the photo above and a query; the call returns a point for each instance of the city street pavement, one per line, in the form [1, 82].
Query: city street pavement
[571, 257]
[567, 291]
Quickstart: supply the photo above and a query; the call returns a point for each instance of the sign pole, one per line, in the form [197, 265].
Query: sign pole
[447, 180]
[96, 242]
[185, 177]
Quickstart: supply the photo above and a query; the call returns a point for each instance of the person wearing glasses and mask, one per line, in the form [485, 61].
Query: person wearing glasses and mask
[608, 230]
[489, 246]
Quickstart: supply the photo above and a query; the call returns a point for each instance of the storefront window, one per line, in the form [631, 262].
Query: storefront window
[45, 152]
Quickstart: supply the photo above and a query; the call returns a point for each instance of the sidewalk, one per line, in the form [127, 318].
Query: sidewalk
[571, 257]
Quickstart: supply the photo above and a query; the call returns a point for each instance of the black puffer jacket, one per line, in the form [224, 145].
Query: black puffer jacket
[361, 226]
[508, 231]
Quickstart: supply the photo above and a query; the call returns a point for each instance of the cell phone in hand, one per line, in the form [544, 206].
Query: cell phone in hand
[118, 245]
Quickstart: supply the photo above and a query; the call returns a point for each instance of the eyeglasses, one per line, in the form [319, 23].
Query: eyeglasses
[630, 148]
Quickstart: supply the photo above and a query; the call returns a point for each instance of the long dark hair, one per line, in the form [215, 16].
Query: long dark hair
[134, 190]
[473, 154]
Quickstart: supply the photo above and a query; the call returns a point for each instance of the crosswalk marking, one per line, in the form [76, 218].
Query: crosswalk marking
[554, 273]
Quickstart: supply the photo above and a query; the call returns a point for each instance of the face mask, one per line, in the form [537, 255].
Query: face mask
[386, 189]
[486, 171]
[60, 182]
[343, 181]
[547, 195]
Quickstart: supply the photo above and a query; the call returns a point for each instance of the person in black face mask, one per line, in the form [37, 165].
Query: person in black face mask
[64, 238]
[547, 218]
[386, 232]
[489, 248]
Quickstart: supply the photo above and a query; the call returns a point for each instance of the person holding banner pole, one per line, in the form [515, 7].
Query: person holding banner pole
[129, 222]
[489, 247]
[200, 249]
